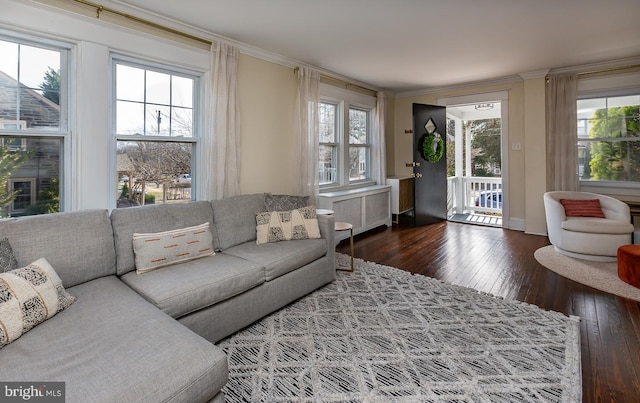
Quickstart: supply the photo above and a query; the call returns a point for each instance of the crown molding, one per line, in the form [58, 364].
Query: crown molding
[534, 74]
[471, 84]
[596, 67]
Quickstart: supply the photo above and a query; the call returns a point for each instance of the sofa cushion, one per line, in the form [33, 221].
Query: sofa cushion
[28, 296]
[597, 225]
[281, 257]
[153, 218]
[159, 249]
[276, 226]
[7, 258]
[113, 346]
[183, 288]
[78, 244]
[235, 219]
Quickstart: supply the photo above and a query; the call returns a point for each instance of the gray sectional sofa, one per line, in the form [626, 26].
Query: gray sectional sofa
[150, 337]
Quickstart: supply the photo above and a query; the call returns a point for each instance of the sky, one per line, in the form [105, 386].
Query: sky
[33, 62]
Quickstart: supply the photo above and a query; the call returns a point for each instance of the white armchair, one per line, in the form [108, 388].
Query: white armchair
[588, 238]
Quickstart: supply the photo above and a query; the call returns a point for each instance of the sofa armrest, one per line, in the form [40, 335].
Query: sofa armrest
[327, 231]
[555, 215]
[615, 209]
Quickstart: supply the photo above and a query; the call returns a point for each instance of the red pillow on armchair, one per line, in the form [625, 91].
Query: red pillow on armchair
[582, 208]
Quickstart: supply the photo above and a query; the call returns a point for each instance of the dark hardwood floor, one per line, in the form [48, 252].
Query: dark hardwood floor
[501, 262]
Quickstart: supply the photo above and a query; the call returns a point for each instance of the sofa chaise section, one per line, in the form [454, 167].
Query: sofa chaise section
[110, 345]
[113, 346]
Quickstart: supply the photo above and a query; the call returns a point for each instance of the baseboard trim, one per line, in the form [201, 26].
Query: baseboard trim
[517, 224]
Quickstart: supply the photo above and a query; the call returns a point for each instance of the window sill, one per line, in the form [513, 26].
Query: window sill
[348, 192]
[611, 188]
[357, 185]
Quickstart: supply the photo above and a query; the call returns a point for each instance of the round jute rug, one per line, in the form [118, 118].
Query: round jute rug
[599, 275]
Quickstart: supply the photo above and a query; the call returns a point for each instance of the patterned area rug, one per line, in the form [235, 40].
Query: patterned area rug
[380, 334]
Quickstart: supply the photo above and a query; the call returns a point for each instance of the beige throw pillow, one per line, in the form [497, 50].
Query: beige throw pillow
[29, 296]
[278, 226]
[154, 250]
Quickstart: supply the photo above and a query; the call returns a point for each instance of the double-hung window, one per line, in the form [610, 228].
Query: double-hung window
[34, 129]
[609, 139]
[156, 115]
[345, 138]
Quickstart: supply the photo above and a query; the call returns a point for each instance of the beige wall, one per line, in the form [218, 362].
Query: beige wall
[267, 97]
[390, 122]
[535, 161]
[403, 143]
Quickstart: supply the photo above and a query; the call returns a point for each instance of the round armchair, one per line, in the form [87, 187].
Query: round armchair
[584, 237]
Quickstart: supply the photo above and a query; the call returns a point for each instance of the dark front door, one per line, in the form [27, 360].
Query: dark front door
[429, 125]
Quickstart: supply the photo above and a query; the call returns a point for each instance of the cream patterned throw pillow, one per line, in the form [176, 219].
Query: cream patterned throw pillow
[154, 250]
[29, 296]
[278, 226]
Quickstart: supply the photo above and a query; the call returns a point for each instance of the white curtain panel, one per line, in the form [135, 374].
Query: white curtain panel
[221, 142]
[306, 135]
[561, 124]
[378, 147]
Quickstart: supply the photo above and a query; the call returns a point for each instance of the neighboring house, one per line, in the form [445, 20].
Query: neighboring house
[37, 173]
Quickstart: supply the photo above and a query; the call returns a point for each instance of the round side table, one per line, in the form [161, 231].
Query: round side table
[345, 226]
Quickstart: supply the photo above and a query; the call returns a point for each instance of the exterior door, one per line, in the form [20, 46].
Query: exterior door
[430, 183]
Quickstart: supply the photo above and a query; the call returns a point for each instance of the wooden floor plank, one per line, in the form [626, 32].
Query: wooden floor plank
[501, 263]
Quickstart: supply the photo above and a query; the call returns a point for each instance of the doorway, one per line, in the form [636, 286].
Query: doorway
[475, 191]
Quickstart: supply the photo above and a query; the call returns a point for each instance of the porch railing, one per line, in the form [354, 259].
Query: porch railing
[327, 175]
[474, 194]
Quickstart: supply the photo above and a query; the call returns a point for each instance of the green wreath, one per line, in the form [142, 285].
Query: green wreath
[428, 152]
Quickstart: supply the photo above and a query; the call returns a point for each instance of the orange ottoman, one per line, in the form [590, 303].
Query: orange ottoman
[629, 264]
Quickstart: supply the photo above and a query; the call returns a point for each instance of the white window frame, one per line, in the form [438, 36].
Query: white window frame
[609, 86]
[346, 100]
[366, 146]
[336, 144]
[197, 105]
[64, 132]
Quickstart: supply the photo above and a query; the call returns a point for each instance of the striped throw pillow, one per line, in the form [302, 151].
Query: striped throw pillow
[582, 208]
[154, 250]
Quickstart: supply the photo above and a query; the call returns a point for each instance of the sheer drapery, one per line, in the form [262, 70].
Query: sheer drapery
[221, 142]
[306, 135]
[378, 146]
[561, 125]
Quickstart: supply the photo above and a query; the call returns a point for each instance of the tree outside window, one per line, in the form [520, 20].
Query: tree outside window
[609, 139]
